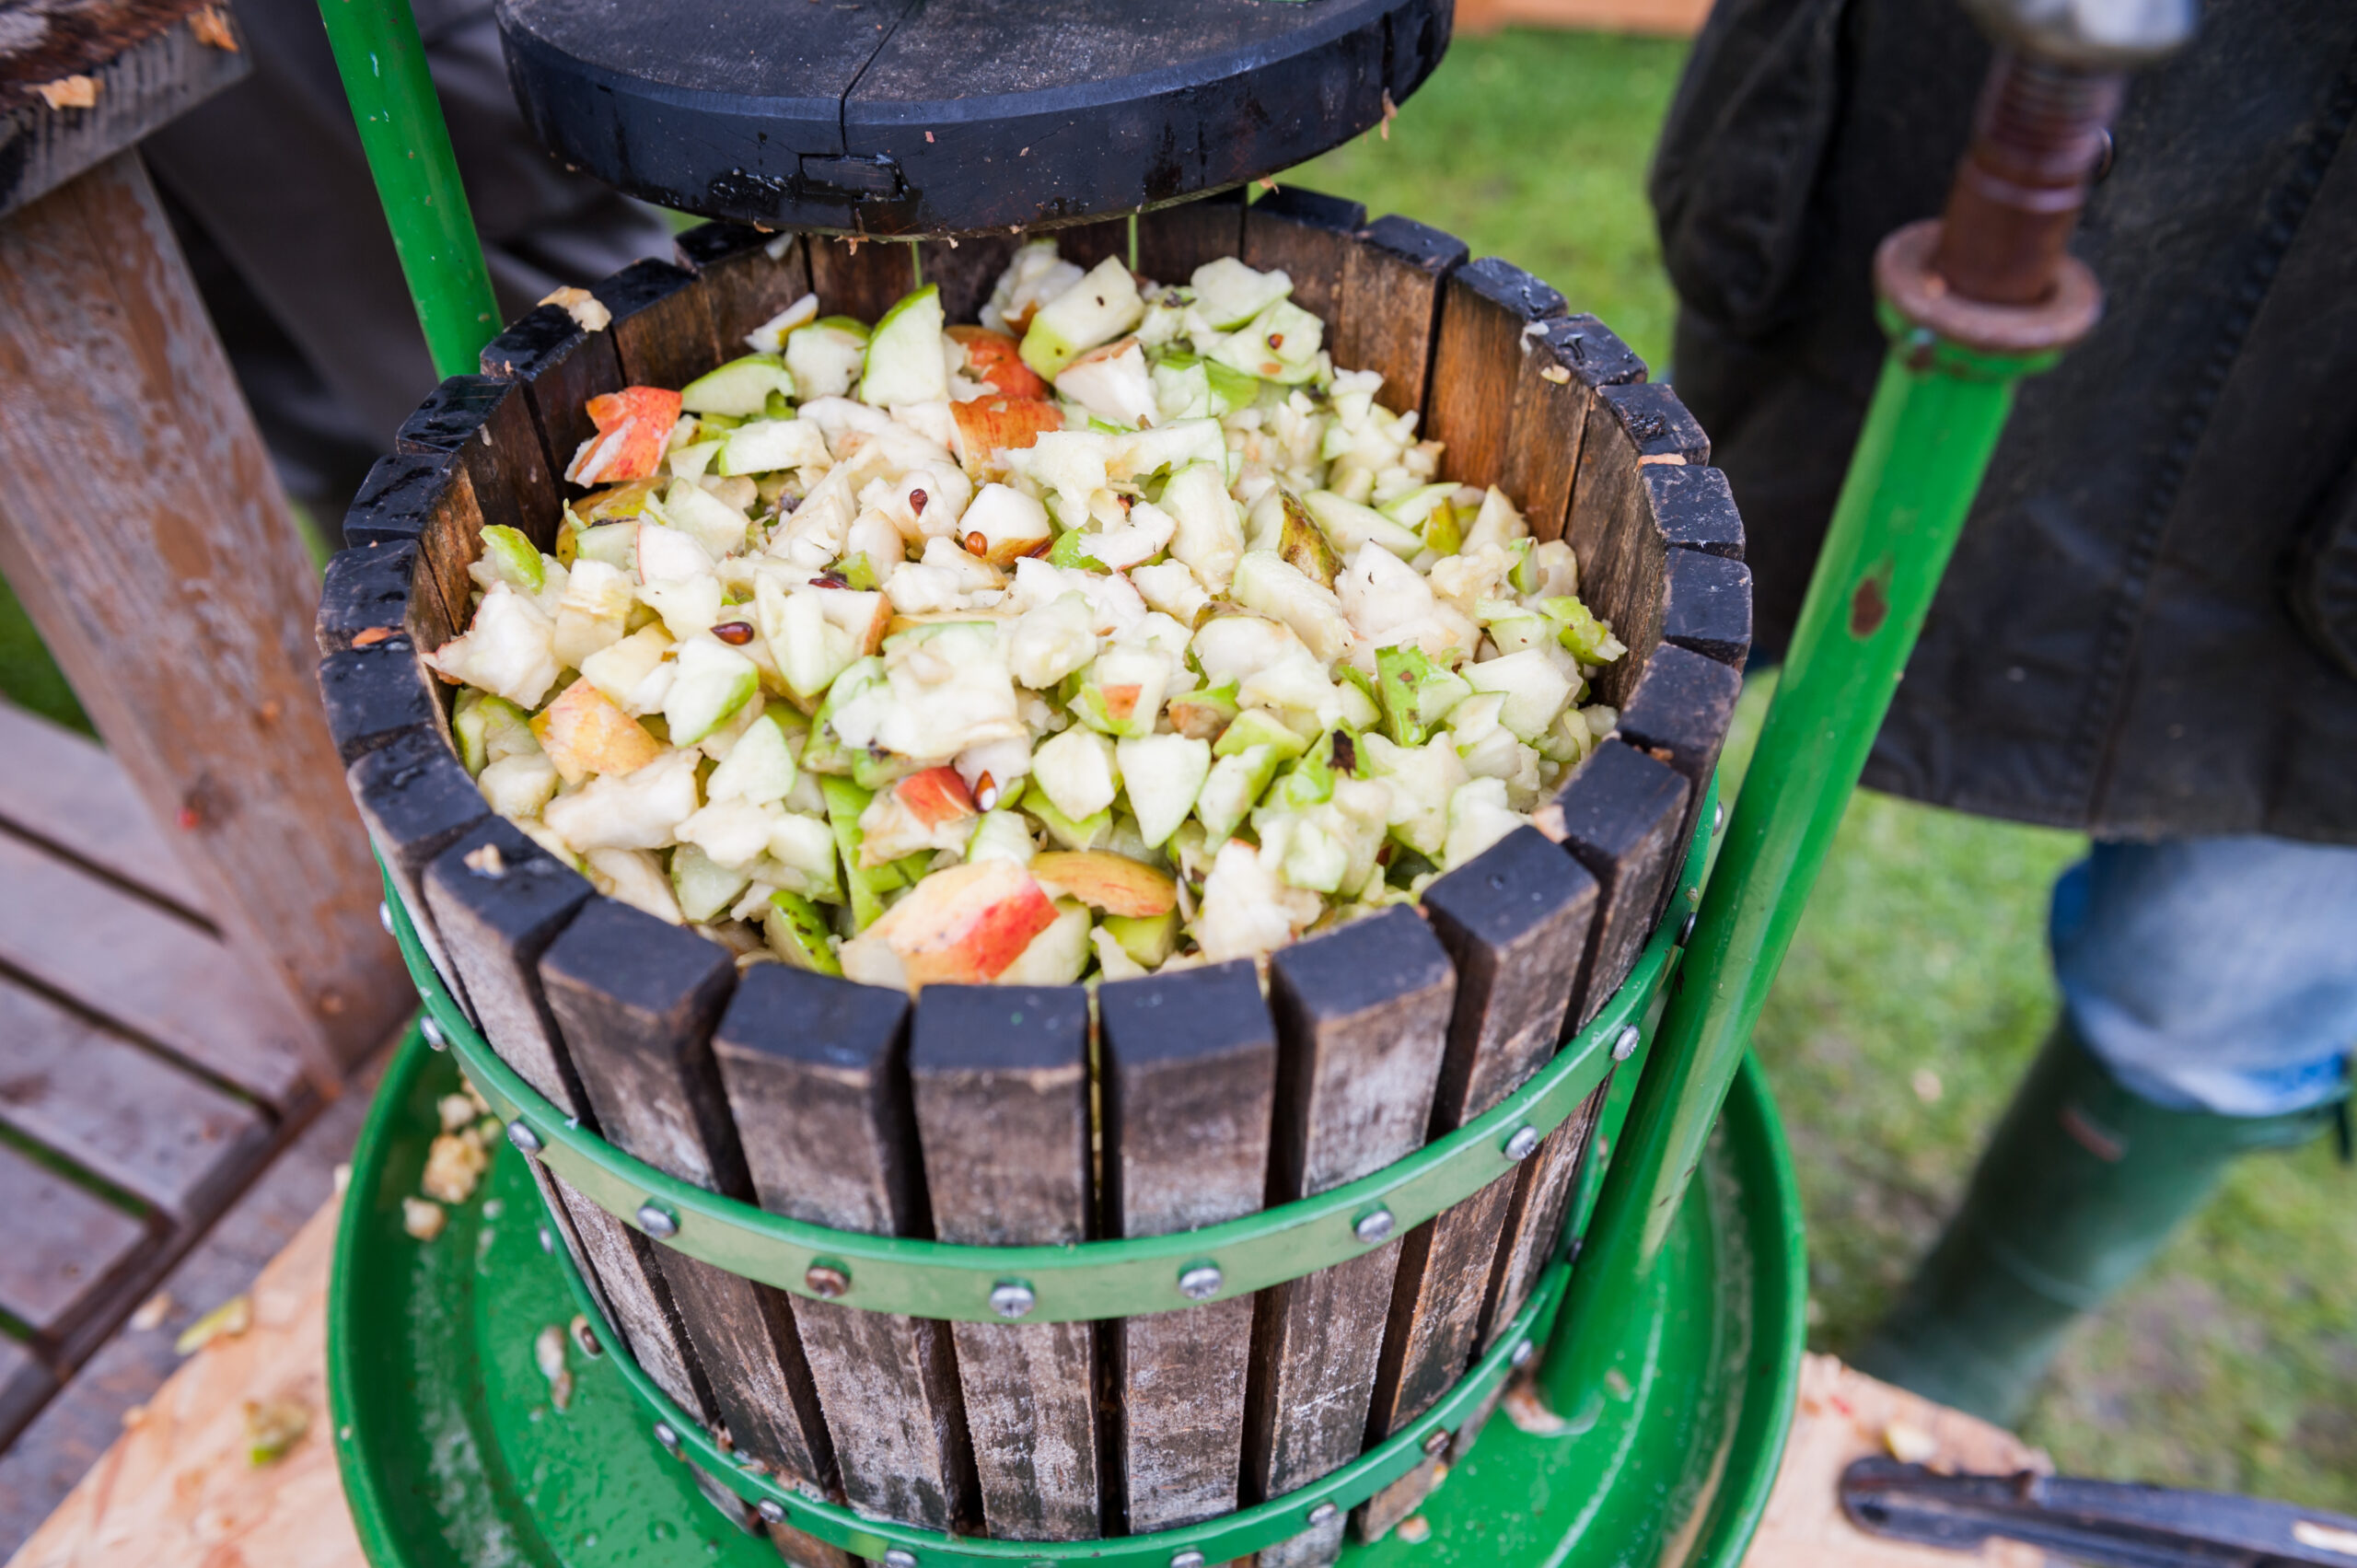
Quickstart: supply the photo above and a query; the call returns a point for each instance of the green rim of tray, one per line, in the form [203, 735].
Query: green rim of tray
[1091, 1280]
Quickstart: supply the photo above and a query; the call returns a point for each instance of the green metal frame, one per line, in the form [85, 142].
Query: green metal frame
[1093, 1279]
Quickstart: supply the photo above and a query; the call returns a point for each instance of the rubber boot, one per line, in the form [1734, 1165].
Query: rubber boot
[2081, 1185]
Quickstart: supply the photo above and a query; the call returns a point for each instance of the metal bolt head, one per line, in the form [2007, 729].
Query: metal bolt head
[1626, 1046]
[1522, 1144]
[1011, 1298]
[771, 1510]
[2098, 35]
[385, 916]
[1324, 1514]
[827, 1281]
[1523, 1353]
[1718, 816]
[1200, 1281]
[1686, 929]
[668, 1437]
[658, 1221]
[1190, 1558]
[1436, 1443]
[1373, 1227]
[432, 1033]
[523, 1137]
[899, 1557]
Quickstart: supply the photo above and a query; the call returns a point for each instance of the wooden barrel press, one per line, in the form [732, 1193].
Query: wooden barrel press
[988, 1115]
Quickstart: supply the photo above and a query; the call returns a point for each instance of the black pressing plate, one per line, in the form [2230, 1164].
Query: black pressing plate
[929, 117]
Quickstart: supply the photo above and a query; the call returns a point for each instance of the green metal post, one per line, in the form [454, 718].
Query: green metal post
[382, 61]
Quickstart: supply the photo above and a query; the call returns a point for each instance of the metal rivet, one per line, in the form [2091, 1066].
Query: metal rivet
[1626, 1046]
[1190, 1558]
[1324, 1514]
[1685, 931]
[1523, 1353]
[1011, 1298]
[1437, 1443]
[771, 1510]
[899, 1557]
[433, 1033]
[669, 1438]
[1718, 817]
[385, 916]
[827, 1281]
[523, 1137]
[1523, 1143]
[658, 1221]
[548, 1241]
[1373, 1227]
[1200, 1281]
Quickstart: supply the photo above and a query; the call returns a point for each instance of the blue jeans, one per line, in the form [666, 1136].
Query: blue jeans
[2213, 974]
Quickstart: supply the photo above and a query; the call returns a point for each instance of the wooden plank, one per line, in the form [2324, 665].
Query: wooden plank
[1679, 715]
[165, 1136]
[1477, 358]
[1363, 1016]
[1310, 237]
[415, 800]
[1614, 525]
[1391, 292]
[62, 789]
[1535, 1224]
[815, 1071]
[69, 932]
[1554, 390]
[662, 327]
[1001, 1081]
[1706, 605]
[1514, 922]
[1619, 815]
[65, 1246]
[498, 912]
[1174, 240]
[749, 276]
[375, 693]
[25, 1385]
[401, 499]
[1190, 1064]
[1085, 244]
[561, 367]
[365, 597]
[486, 423]
[858, 279]
[1665, 18]
[966, 272]
[636, 999]
[184, 623]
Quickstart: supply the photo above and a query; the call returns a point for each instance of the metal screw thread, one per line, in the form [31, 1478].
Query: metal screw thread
[2039, 130]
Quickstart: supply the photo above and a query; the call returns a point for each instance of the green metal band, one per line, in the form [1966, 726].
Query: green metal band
[1224, 1539]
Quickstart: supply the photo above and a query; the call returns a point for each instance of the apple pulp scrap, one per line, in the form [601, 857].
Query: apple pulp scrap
[963, 924]
[1113, 883]
[634, 427]
[996, 360]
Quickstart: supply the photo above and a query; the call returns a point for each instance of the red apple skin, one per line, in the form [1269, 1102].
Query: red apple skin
[584, 733]
[1113, 883]
[964, 925]
[634, 427]
[936, 795]
[987, 426]
[996, 360]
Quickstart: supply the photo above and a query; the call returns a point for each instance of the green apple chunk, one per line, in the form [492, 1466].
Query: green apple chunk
[1163, 773]
[1415, 693]
[1303, 544]
[1534, 689]
[739, 388]
[1350, 525]
[1228, 293]
[508, 557]
[490, 729]
[1258, 727]
[703, 887]
[1148, 939]
[796, 931]
[904, 362]
[765, 446]
[759, 768]
[713, 681]
[1268, 584]
[1279, 344]
[1232, 789]
[1102, 305]
[1080, 833]
[825, 357]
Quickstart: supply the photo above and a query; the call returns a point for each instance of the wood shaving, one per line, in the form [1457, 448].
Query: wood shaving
[153, 1311]
[486, 861]
[70, 92]
[548, 1353]
[371, 637]
[1671, 460]
[583, 307]
[1556, 374]
[232, 1318]
[210, 27]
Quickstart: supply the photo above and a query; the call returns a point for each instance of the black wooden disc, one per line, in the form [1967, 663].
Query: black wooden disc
[916, 117]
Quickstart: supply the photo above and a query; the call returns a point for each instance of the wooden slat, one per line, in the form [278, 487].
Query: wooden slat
[1485, 306]
[1616, 525]
[157, 976]
[1515, 921]
[416, 496]
[747, 277]
[1085, 244]
[497, 917]
[183, 622]
[858, 279]
[486, 423]
[161, 1134]
[561, 367]
[1542, 1199]
[375, 693]
[1679, 715]
[1000, 1080]
[365, 597]
[1391, 292]
[1309, 236]
[1619, 815]
[662, 325]
[1174, 240]
[65, 1246]
[415, 800]
[1363, 1016]
[1706, 605]
[965, 274]
[815, 1070]
[636, 999]
[1554, 390]
[1190, 1063]
[63, 789]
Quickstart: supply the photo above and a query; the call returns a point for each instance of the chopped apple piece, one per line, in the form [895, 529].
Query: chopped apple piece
[992, 427]
[1103, 881]
[634, 428]
[583, 733]
[927, 810]
[1005, 523]
[996, 360]
[904, 363]
[1102, 305]
[962, 926]
[1111, 383]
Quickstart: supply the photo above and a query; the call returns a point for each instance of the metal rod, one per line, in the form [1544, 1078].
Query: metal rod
[382, 61]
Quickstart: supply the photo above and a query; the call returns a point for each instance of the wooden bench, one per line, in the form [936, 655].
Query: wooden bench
[970, 1115]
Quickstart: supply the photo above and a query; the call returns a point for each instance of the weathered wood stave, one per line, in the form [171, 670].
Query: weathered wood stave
[1603, 456]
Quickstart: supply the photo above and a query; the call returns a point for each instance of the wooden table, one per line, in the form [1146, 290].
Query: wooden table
[178, 1489]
